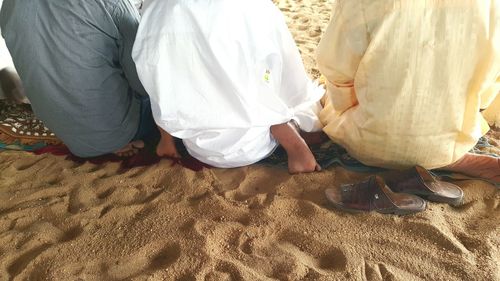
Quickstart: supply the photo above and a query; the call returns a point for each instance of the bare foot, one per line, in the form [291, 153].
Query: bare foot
[300, 157]
[166, 146]
[130, 149]
[479, 166]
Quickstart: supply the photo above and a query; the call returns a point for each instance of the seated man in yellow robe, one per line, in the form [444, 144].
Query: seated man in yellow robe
[407, 81]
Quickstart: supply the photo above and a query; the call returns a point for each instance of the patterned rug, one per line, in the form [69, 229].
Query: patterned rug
[21, 130]
[330, 154]
[327, 154]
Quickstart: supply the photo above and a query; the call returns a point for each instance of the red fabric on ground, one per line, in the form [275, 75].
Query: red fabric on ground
[141, 159]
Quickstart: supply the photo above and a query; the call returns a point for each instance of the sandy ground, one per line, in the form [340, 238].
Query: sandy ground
[65, 221]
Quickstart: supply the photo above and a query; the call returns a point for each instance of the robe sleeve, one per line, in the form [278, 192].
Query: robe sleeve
[340, 51]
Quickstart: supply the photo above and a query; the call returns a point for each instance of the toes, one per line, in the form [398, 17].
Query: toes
[318, 168]
[130, 149]
[127, 152]
[138, 144]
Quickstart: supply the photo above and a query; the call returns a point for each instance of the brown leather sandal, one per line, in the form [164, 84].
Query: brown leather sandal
[374, 195]
[419, 181]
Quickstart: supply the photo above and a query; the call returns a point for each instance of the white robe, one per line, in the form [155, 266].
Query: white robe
[220, 73]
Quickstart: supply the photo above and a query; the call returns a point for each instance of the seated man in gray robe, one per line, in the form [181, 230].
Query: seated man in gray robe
[74, 59]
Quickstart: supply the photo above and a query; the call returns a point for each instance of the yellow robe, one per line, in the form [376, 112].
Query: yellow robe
[406, 79]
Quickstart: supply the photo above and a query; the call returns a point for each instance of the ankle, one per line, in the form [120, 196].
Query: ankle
[295, 144]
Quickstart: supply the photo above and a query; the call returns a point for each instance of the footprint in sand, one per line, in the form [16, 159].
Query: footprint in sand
[72, 234]
[292, 256]
[137, 172]
[382, 271]
[229, 179]
[82, 198]
[103, 198]
[25, 163]
[254, 184]
[147, 260]
[312, 253]
[439, 236]
[106, 192]
[40, 238]
[20, 263]
[54, 179]
[224, 271]
[92, 168]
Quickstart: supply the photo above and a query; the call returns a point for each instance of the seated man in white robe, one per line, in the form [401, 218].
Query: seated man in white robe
[227, 78]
